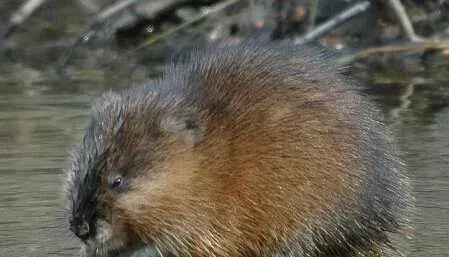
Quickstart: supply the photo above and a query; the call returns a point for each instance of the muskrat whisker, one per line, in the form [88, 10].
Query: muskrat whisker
[158, 251]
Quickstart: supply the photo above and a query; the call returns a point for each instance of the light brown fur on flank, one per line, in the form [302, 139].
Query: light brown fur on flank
[248, 151]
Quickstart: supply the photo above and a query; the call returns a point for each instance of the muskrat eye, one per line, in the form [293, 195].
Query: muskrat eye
[117, 182]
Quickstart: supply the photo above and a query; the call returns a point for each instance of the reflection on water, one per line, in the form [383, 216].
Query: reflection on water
[35, 135]
[422, 132]
[427, 153]
[38, 128]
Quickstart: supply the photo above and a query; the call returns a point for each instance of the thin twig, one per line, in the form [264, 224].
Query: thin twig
[114, 9]
[404, 20]
[213, 9]
[89, 5]
[312, 7]
[159, 251]
[333, 22]
[399, 48]
[19, 16]
[93, 28]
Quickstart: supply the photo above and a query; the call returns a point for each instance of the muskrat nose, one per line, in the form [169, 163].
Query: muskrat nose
[81, 229]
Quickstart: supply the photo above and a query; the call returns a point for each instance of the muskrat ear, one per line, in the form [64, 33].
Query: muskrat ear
[186, 124]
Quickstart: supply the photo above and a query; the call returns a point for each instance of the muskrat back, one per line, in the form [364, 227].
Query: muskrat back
[247, 150]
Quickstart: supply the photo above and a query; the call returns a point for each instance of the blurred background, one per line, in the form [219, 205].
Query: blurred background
[56, 56]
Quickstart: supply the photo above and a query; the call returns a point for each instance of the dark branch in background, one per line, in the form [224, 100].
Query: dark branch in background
[333, 22]
[313, 31]
[19, 16]
[95, 26]
[136, 32]
[211, 10]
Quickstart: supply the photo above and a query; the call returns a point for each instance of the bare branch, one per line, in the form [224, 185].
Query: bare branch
[213, 9]
[19, 16]
[394, 49]
[98, 21]
[404, 20]
[333, 22]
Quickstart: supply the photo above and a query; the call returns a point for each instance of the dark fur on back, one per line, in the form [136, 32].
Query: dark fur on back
[240, 151]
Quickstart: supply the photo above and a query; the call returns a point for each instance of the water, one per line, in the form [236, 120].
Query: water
[41, 117]
[427, 153]
[35, 134]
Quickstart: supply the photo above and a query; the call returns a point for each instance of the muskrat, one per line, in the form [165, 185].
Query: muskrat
[250, 150]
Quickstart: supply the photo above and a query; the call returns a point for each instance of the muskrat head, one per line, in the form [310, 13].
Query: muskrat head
[123, 148]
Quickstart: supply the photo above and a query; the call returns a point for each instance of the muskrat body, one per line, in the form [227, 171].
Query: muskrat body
[248, 151]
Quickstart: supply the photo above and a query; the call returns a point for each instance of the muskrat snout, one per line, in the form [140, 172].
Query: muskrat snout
[81, 228]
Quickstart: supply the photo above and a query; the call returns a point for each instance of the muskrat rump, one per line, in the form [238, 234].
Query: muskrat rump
[246, 150]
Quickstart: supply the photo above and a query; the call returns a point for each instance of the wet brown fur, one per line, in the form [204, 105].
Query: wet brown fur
[249, 151]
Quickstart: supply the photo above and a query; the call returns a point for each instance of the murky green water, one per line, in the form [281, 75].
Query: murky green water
[35, 134]
[40, 120]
